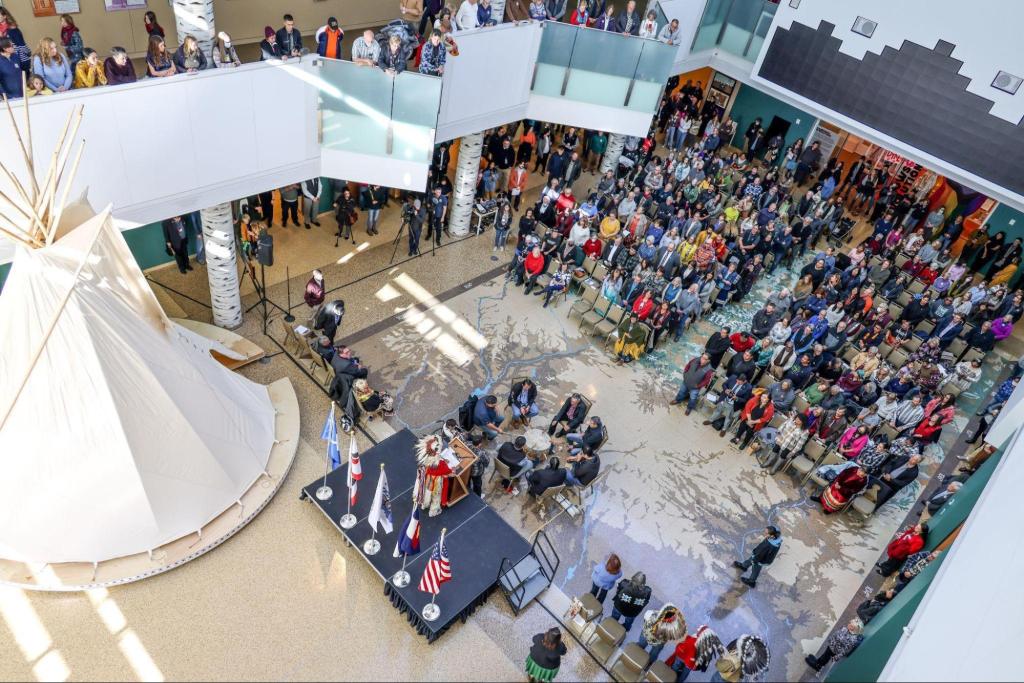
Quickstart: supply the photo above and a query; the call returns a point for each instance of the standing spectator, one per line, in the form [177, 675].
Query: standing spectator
[411, 11]
[158, 61]
[88, 71]
[517, 178]
[660, 628]
[10, 70]
[289, 38]
[484, 16]
[433, 55]
[393, 58]
[316, 290]
[430, 10]
[840, 644]
[466, 18]
[671, 35]
[595, 152]
[581, 15]
[9, 29]
[556, 9]
[438, 214]
[808, 161]
[269, 47]
[267, 207]
[503, 159]
[189, 58]
[607, 21]
[628, 22]
[605, 576]
[118, 68]
[366, 50]
[311, 191]
[346, 215]
[908, 542]
[545, 656]
[375, 198]
[49, 63]
[71, 39]
[290, 204]
[224, 54]
[538, 11]
[764, 554]
[649, 26]
[176, 239]
[328, 43]
[696, 376]
[153, 27]
[631, 597]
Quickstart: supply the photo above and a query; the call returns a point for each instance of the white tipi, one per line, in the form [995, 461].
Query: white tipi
[118, 431]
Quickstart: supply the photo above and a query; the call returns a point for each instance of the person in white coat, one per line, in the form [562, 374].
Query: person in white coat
[466, 17]
[649, 26]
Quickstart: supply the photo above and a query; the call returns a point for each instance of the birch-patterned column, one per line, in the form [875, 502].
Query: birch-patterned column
[464, 192]
[222, 266]
[610, 161]
[195, 18]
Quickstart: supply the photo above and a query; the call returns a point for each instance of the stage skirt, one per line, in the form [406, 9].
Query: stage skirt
[539, 673]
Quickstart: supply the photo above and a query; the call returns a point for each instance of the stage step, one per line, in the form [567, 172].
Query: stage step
[527, 568]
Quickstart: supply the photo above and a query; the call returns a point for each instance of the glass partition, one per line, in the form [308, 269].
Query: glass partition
[736, 26]
[602, 68]
[369, 111]
[710, 27]
[556, 47]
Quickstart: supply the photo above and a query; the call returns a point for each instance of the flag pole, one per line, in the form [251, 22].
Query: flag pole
[431, 612]
[348, 520]
[372, 547]
[325, 492]
[401, 577]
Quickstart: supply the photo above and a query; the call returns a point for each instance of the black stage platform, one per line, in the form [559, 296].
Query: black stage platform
[478, 538]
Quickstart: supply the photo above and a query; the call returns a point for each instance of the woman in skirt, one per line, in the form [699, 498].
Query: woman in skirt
[545, 656]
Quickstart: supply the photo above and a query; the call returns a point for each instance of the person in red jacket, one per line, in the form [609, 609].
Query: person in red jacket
[644, 306]
[693, 655]
[593, 247]
[756, 414]
[533, 266]
[741, 341]
[912, 540]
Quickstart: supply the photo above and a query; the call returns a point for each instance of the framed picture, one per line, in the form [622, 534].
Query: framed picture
[44, 8]
[720, 98]
[723, 83]
[118, 5]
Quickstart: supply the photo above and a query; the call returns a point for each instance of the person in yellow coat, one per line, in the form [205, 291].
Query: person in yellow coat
[89, 71]
[1003, 275]
[610, 227]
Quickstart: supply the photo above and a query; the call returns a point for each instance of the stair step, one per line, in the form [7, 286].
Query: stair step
[527, 568]
[537, 584]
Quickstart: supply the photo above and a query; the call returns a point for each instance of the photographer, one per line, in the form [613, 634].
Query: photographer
[346, 215]
[413, 216]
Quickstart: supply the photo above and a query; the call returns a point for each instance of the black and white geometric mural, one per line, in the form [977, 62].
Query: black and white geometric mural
[914, 94]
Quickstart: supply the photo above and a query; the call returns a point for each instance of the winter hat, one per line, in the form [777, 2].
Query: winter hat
[268, 32]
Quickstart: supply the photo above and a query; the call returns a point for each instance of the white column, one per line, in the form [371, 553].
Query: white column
[195, 18]
[470, 149]
[610, 161]
[222, 266]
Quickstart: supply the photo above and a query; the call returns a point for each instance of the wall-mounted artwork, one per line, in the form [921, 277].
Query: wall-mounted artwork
[117, 5]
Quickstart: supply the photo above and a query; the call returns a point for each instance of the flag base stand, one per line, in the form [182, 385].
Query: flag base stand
[324, 493]
[401, 579]
[347, 521]
[371, 547]
[431, 612]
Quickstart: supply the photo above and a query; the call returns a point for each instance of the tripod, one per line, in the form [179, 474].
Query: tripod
[398, 238]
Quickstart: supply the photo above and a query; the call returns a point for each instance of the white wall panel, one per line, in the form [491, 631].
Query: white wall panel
[378, 170]
[594, 116]
[488, 84]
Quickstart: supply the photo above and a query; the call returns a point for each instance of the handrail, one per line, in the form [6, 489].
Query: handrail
[552, 568]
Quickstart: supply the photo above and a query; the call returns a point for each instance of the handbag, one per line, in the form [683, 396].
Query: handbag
[729, 667]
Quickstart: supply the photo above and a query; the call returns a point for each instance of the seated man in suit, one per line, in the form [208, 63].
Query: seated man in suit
[569, 417]
[948, 329]
[344, 363]
[585, 467]
[897, 474]
[551, 476]
[934, 503]
[523, 402]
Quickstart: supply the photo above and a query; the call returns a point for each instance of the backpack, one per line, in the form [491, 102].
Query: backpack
[466, 411]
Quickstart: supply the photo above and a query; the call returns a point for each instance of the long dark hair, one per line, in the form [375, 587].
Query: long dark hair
[552, 638]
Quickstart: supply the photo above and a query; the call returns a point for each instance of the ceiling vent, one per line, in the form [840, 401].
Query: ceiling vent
[865, 27]
[1007, 82]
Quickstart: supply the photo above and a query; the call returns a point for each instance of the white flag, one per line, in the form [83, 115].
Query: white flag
[380, 511]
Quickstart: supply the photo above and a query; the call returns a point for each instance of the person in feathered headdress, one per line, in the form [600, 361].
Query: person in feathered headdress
[661, 627]
[435, 470]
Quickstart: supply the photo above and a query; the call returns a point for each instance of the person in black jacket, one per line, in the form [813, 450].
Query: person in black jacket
[288, 38]
[551, 476]
[569, 417]
[523, 402]
[896, 474]
[867, 610]
[631, 597]
[585, 467]
[176, 238]
[393, 58]
[764, 554]
[269, 47]
[344, 363]
[10, 70]
[512, 455]
[328, 320]
[592, 436]
[763, 321]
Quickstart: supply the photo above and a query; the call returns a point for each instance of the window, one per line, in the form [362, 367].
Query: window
[795, 4]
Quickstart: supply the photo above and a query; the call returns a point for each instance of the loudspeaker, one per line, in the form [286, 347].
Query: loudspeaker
[265, 249]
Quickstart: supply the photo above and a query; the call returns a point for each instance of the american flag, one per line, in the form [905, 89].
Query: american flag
[438, 570]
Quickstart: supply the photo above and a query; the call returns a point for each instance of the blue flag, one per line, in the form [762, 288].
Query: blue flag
[409, 539]
[330, 435]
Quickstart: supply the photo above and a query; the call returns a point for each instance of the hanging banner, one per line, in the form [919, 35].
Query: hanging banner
[117, 5]
[51, 8]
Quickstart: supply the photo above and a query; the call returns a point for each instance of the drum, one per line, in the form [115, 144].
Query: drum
[538, 443]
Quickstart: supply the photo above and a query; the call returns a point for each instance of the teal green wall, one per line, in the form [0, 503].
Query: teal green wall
[751, 103]
[1000, 220]
[4, 269]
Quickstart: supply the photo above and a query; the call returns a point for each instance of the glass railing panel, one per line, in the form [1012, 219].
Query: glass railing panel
[652, 71]
[556, 47]
[710, 25]
[414, 114]
[602, 66]
[355, 107]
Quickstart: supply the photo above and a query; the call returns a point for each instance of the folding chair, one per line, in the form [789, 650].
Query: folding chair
[595, 314]
[588, 266]
[916, 287]
[544, 279]
[866, 503]
[586, 301]
[600, 270]
[897, 358]
[804, 464]
[606, 327]
[831, 458]
[631, 663]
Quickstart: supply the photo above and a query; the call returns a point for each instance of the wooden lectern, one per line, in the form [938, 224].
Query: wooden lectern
[459, 487]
